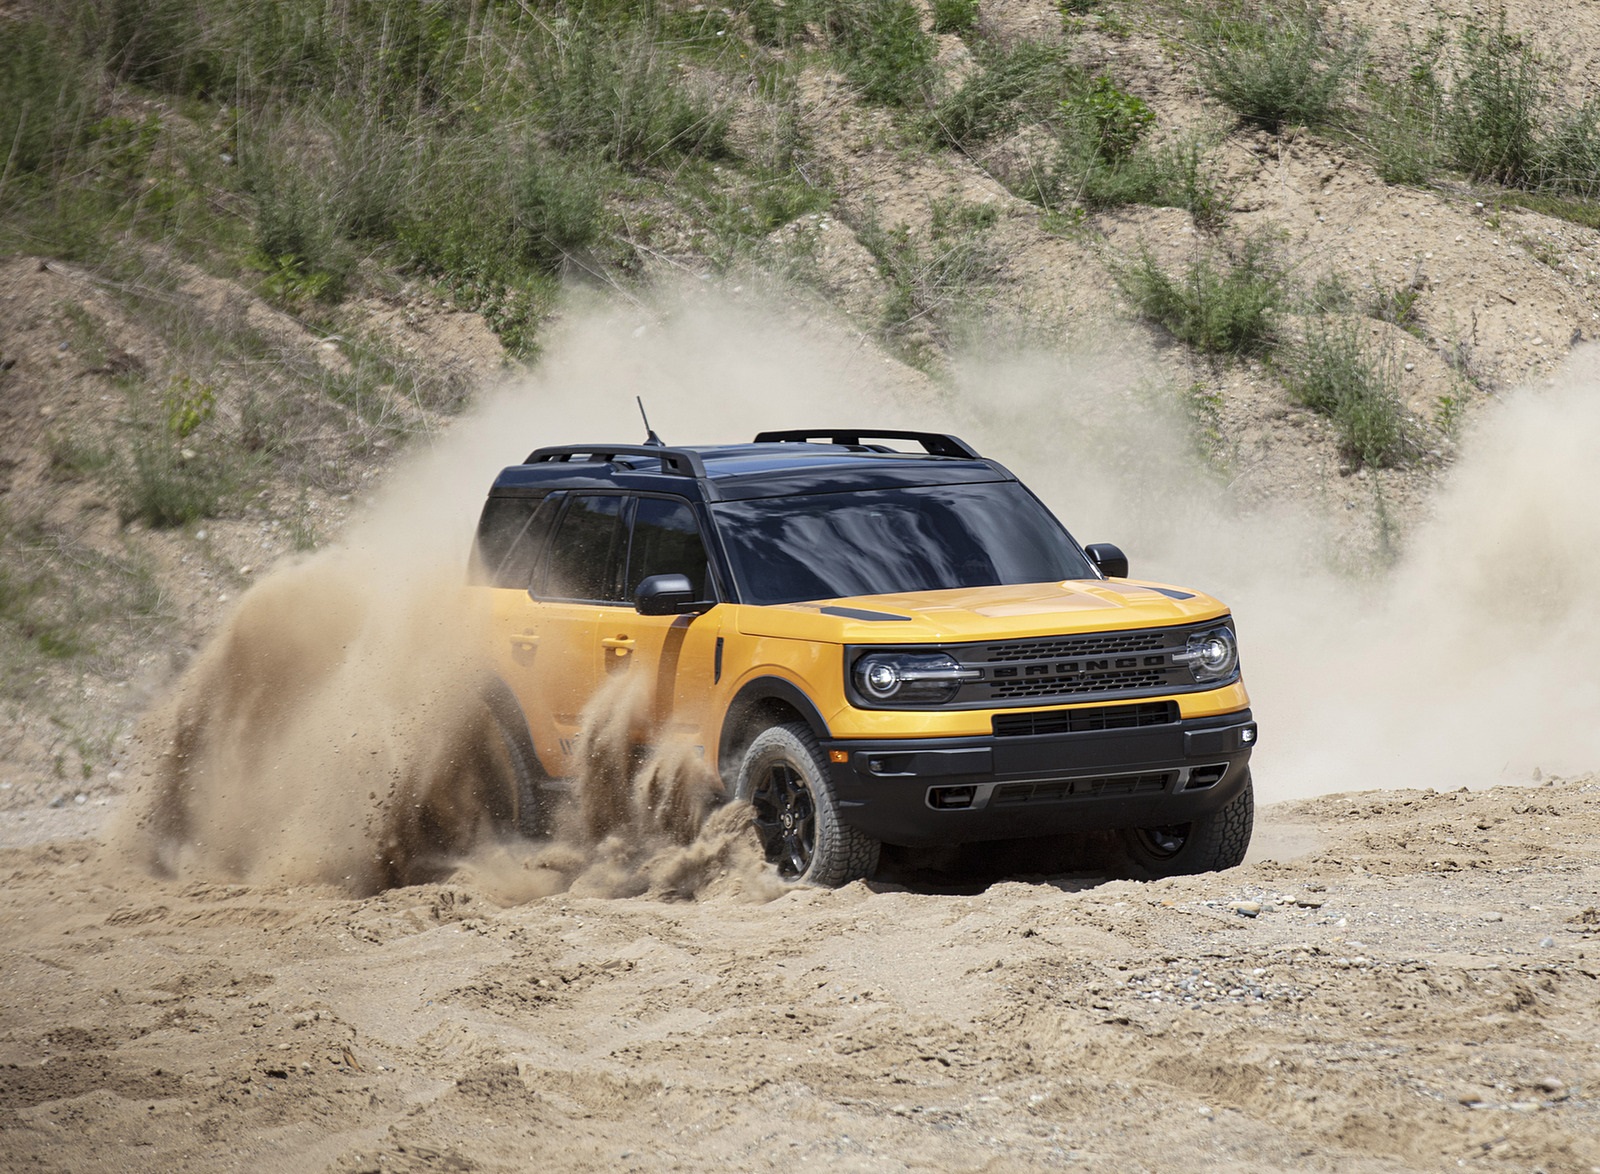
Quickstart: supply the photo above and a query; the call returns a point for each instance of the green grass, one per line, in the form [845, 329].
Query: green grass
[1220, 305]
[882, 49]
[1335, 373]
[1480, 101]
[1013, 84]
[954, 16]
[936, 281]
[1275, 65]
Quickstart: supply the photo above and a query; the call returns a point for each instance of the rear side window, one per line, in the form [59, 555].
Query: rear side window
[666, 541]
[511, 535]
[586, 552]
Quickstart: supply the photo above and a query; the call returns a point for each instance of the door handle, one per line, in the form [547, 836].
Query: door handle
[525, 641]
[622, 644]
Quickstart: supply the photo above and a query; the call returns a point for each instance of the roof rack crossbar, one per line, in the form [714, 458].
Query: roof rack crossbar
[936, 444]
[673, 460]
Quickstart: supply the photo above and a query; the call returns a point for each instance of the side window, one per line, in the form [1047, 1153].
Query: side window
[511, 534]
[586, 552]
[666, 541]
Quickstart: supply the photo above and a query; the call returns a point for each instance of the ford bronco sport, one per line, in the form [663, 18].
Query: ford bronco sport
[870, 645]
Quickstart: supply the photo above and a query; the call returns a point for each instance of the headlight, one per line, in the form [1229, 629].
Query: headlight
[1211, 656]
[910, 678]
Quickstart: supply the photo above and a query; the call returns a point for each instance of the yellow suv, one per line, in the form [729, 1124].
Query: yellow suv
[870, 645]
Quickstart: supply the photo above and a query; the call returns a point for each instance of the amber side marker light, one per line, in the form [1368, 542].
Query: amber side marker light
[838, 756]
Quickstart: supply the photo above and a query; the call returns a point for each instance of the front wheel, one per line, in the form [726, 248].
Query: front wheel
[784, 778]
[1208, 844]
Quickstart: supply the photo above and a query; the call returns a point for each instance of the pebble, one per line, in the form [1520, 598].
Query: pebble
[1309, 901]
[1549, 1084]
[1493, 917]
[1546, 943]
[1246, 908]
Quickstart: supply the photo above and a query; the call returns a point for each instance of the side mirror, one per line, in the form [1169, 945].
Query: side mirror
[1112, 562]
[667, 595]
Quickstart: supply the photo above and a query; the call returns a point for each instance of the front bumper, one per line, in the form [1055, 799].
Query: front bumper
[956, 790]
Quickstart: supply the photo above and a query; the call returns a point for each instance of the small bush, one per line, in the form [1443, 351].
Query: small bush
[1333, 373]
[622, 99]
[931, 283]
[1012, 85]
[1230, 309]
[165, 485]
[883, 49]
[954, 16]
[1568, 158]
[297, 239]
[45, 101]
[1492, 117]
[1276, 68]
[1116, 119]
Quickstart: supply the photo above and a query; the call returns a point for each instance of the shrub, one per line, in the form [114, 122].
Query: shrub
[1115, 118]
[1230, 309]
[883, 48]
[954, 16]
[1332, 372]
[297, 238]
[1011, 85]
[1492, 117]
[623, 100]
[1276, 68]
[930, 283]
[45, 100]
[1568, 158]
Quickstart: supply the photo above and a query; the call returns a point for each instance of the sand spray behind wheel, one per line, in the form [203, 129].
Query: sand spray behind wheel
[328, 731]
[332, 729]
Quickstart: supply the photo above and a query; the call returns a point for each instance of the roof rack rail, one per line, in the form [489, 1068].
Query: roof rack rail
[936, 444]
[673, 460]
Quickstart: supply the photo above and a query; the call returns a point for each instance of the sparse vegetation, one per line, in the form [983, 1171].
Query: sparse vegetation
[882, 48]
[1335, 373]
[954, 16]
[1276, 65]
[1217, 305]
[1481, 101]
[1013, 84]
[932, 283]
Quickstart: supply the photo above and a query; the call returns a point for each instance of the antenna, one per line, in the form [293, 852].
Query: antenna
[650, 433]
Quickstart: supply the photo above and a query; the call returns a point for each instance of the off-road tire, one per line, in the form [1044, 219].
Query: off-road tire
[520, 806]
[784, 773]
[1208, 844]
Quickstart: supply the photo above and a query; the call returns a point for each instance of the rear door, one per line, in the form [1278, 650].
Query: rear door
[551, 634]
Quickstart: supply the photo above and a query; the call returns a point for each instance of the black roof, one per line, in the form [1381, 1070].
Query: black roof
[776, 464]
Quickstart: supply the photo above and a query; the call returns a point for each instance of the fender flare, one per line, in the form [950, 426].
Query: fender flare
[749, 699]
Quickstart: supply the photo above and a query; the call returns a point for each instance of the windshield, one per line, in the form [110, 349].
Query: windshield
[884, 541]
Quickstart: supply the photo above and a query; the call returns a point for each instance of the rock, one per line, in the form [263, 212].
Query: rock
[1549, 1084]
[1546, 943]
[1246, 908]
[1309, 901]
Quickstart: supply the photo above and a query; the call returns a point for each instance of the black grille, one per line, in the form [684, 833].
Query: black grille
[1087, 720]
[1064, 790]
[1077, 686]
[1102, 645]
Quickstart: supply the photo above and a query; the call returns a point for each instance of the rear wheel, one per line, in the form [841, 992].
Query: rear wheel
[784, 778]
[1208, 844]
[514, 776]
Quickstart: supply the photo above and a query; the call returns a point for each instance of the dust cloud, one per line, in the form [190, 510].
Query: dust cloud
[333, 730]
[1467, 663]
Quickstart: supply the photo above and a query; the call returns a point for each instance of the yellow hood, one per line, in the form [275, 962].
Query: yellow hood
[983, 613]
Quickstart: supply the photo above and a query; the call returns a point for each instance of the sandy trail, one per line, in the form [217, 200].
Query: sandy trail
[1415, 994]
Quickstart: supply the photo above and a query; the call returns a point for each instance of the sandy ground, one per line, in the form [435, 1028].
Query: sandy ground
[1402, 980]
